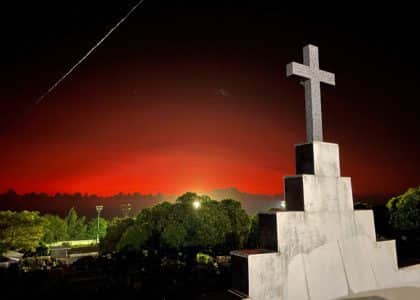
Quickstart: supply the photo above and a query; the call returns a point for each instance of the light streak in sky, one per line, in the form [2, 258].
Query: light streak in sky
[47, 92]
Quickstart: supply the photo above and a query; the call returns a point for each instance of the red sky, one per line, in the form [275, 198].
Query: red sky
[146, 113]
[172, 132]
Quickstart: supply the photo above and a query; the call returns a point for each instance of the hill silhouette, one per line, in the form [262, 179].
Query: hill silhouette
[85, 204]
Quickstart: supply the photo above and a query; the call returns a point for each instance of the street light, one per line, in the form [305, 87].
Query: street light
[196, 204]
[99, 208]
[283, 205]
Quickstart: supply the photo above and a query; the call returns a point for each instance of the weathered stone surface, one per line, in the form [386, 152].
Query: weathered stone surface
[295, 286]
[318, 193]
[325, 273]
[265, 276]
[356, 259]
[365, 223]
[318, 158]
[302, 232]
[293, 186]
[410, 274]
[384, 264]
[245, 262]
[323, 248]
[240, 282]
[325, 194]
[268, 231]
[320, 248]
[313, 76]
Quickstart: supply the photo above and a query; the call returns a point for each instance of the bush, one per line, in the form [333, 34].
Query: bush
[404, 210]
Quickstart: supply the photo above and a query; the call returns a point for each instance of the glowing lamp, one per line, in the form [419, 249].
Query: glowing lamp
[196, 204]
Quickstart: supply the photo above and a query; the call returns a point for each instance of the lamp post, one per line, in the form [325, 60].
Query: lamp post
[99, 208]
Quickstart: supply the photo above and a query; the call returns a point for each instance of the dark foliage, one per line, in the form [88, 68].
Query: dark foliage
[61, 203]
[121, 275]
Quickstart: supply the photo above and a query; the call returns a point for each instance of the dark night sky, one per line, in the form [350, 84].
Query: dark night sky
[192, 95]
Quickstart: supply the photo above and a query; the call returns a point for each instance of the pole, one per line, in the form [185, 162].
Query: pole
[98, 209]
[97, 232]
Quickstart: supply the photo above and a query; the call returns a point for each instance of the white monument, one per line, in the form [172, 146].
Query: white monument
[319, 248]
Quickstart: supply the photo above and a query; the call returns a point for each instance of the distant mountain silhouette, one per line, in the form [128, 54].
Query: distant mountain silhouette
[85, 204]
[253, 203]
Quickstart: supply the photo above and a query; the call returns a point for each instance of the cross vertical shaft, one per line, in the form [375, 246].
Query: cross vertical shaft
[313, 77]
[313, 111]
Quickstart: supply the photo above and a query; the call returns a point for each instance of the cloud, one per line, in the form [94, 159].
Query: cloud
[222, 92]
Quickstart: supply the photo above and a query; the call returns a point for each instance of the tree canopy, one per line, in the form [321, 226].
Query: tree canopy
[55, 229]
[21, 231]
[116, 229]
[192, 221]
[92, 228]
[240, 223]
[404, 210]
[76, 226]
[27, 230]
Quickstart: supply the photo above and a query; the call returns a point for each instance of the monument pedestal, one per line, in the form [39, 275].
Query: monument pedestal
[320, 248]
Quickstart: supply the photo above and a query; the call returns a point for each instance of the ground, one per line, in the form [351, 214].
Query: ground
[400, 293]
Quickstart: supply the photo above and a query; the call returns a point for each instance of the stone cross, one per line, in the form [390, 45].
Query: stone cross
[313, 76]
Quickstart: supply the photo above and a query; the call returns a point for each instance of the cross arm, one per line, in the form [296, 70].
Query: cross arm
[297, 69]
[327, 77]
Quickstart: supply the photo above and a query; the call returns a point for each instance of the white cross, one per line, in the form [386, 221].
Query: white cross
[313, 77]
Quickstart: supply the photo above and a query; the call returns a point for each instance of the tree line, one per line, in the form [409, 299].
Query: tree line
[192, 221]
[27, 231]
[61, 203]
